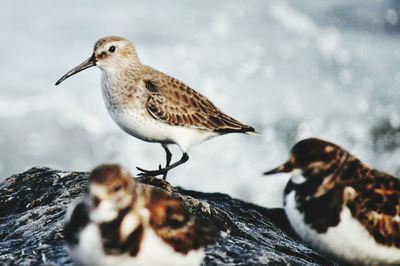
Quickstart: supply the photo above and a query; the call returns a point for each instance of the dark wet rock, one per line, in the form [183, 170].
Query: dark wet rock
[33, 204]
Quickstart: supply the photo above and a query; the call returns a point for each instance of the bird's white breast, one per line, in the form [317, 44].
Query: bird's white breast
[153, 251]
[349, 240]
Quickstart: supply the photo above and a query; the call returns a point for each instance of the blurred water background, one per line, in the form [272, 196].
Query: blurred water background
[292, 69]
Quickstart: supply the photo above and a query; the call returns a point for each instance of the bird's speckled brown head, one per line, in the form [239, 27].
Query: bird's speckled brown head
[312, 157]
[110, 54]
[111, 176]
[112, 186]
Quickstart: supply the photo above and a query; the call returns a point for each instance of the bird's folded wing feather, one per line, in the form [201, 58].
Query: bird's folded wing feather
[377, 206]
[174, 103]
[171, 221]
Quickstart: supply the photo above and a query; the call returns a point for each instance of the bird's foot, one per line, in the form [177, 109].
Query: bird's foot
[163, 171]
[160, 171]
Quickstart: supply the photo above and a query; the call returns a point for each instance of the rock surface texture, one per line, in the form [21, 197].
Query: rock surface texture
[33, 205]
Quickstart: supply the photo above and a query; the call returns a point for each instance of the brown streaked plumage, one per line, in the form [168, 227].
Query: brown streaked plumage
[376, 204]
[172, 222]
[127, 215]
[174, 103]
[329, 189]
[153, 106]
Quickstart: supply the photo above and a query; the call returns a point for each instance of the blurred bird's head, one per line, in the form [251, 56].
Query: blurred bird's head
[111, 189]
[311, 158]
[110, 54]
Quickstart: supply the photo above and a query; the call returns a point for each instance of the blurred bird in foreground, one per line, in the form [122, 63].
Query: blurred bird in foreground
[153, 106]
[341, 206]
[122, 222]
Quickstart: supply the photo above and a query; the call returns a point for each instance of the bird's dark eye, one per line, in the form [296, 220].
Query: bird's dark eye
[111, 49]
[117, 188]
[96, 201]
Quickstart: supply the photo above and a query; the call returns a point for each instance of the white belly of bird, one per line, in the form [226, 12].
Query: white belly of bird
[349, 240]
[140, 124]
[152, 251]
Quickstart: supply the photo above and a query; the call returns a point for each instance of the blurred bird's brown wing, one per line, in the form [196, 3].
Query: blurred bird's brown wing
[376, 204]
[170, 220]
[174, 103]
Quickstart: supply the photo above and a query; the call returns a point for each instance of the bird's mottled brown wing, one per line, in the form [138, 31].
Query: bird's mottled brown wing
[375, 202]
[176, 226]
[172, 102]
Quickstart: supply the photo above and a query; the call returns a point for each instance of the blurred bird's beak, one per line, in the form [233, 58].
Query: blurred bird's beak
[88, 63]
[284, 168]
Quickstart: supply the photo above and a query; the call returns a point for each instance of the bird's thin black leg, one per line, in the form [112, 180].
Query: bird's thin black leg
[162, 171]
[168, 157]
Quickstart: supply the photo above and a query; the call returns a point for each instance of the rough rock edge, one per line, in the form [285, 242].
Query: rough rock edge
[33, 204]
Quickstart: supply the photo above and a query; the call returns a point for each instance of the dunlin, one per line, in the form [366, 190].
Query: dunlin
[153, 106]
[122, 222]
[341, 206]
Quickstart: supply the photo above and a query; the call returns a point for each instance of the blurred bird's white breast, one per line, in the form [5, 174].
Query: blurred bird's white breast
[348, 240]
[152, 251]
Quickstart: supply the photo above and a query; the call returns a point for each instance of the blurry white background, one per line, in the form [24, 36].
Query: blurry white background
[292, 69]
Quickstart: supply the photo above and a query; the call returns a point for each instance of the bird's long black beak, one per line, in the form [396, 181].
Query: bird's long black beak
[284, 168]
[88, 63]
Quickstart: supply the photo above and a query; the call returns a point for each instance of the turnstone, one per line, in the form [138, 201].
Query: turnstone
[340, 205]
[153, 106]
[122, 222]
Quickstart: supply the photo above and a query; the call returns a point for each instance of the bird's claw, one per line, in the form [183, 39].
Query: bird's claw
[144, 172]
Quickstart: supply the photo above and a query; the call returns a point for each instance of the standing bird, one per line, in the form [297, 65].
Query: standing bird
[341, 206]
[122, 222]
[153, 106]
